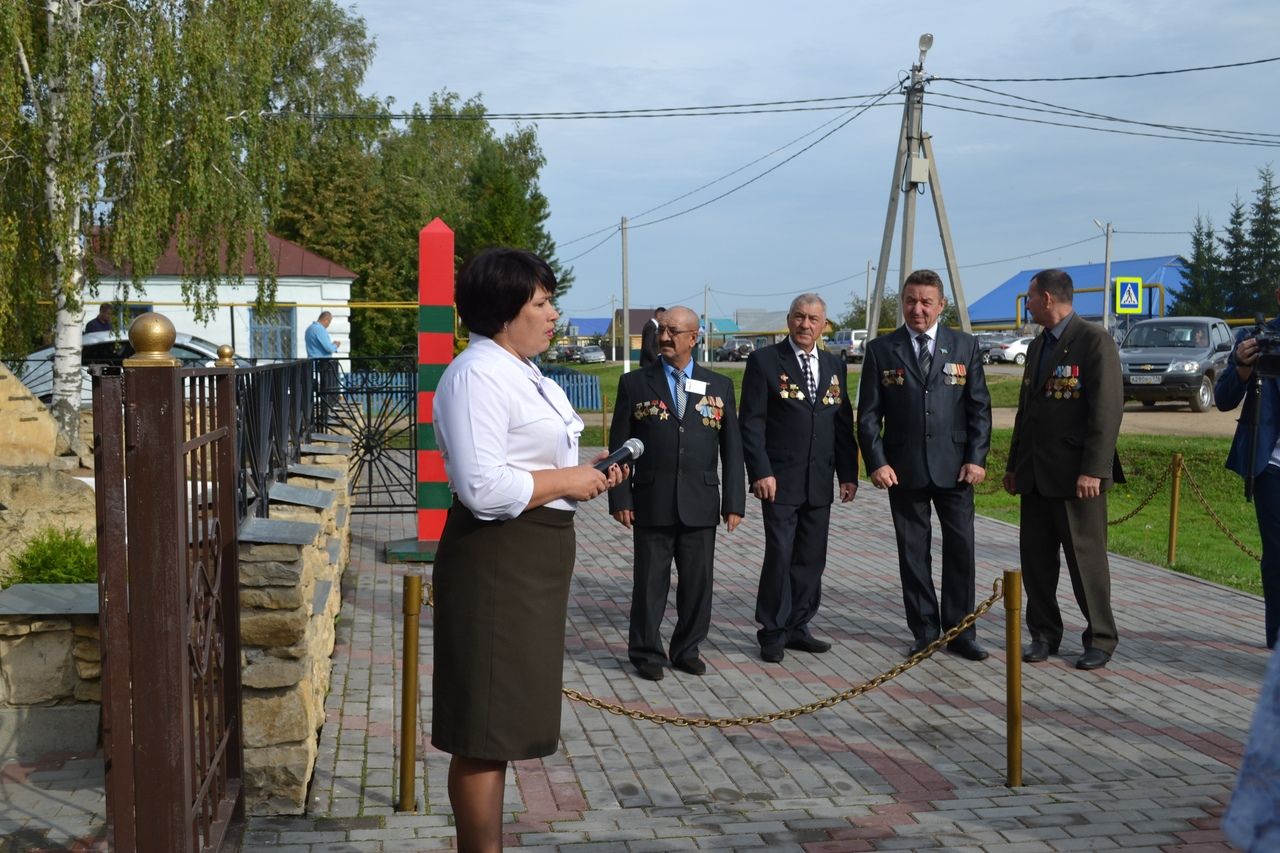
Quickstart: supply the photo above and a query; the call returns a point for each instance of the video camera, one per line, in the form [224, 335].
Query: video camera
[1268, 363]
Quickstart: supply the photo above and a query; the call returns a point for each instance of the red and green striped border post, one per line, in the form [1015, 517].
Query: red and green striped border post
[435, 351]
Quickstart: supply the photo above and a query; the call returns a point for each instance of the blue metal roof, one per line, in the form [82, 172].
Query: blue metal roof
[590, 326]
[998, 306]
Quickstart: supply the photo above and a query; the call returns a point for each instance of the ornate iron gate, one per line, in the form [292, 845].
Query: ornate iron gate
[376, 403]
[165, 467]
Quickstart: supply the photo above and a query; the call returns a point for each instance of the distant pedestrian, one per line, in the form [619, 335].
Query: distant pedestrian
[103, 322]
[649, 350]
[321, 348]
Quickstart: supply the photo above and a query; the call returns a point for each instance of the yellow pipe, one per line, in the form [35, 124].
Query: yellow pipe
[409, 695]
[1175, 497]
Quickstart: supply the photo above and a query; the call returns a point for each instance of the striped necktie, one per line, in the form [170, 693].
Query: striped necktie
[679, 401]
[923, 356]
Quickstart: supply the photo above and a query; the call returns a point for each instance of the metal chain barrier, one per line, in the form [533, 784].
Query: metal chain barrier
[1164, 478]
[1204, 502]
[428, 596]
[792, 713]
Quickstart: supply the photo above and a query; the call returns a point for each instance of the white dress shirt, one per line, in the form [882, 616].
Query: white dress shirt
[812, 358]
[497, 418]
[932, 332]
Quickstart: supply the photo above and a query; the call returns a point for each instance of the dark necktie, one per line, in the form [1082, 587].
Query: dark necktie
[926, 360]
[1046, 346]
[679, 401]
[808, 376]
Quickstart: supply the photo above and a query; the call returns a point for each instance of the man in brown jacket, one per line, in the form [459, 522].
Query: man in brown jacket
[1062, 461]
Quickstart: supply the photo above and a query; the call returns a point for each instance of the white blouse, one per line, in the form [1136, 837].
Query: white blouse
[497, 418]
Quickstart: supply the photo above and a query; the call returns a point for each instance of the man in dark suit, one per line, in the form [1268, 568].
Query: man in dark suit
[685, 416]
[649, 349]
[924, 386]
[1062, 461]
[1238, 382]
[797, 433]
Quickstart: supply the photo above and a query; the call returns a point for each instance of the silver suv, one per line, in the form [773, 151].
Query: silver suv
[1174, 358]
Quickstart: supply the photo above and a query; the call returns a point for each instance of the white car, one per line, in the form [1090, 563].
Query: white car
[36, 371]
[1014, 351]
[592, 354]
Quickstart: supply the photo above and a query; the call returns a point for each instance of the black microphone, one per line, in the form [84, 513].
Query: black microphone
[632, 448]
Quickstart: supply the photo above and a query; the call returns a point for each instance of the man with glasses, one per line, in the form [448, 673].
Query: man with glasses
[797, 434]
[685, 416]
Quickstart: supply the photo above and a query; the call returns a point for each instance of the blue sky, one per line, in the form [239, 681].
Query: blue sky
[1011, 188]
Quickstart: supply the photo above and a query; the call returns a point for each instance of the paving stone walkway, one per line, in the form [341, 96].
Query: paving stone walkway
[1141, 755]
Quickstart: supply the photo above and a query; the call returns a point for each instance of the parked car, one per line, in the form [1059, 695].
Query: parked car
[1013, 350]
[552, 354]
[570, 352]
[591, 354]
[987, 340]
[848, 343]
[1174, 358]
[109, 348]
[734, 349]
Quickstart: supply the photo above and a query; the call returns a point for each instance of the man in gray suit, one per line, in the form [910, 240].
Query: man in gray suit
[923, 386]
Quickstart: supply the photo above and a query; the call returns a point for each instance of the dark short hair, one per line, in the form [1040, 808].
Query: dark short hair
[926, 277]
[1056, 282]
[494, 285]
[659, 310]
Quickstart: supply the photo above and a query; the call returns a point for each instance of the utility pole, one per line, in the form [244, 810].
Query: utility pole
[913, 168]
[626, 305]
[866, 305]
[1106, 277]
[613, 327]
[706, 325]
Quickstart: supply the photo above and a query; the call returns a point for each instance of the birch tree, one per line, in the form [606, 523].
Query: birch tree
[128, 124]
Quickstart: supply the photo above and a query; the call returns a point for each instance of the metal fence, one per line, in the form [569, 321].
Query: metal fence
[582, 389]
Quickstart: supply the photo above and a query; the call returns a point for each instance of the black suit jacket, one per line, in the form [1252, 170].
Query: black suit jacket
[802, 443]
[927, 437]
[649, 349]
[1068, 413]
[675, 480]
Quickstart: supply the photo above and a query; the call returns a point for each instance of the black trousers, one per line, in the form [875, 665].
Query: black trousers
[913, 527]
[795, 555]
[1079, 528]
[694, 551]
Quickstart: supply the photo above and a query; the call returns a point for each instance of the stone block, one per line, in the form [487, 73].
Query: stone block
[263, 671]
[28, 432]
[279, 716]
[37, 668]
[270, 572]
[33, 732]
[272, 597]
[89, 691]
[276, 778]
[86, 649]
[15, 627]
[85, 626]
[262, 552]
[273, 627]
[33, 498]
[40, 626]
[87, 669]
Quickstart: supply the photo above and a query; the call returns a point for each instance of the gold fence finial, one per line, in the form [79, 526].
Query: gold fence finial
[225, 356]
[152, 335]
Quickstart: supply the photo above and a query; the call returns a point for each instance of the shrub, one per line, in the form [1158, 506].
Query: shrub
[55, 556]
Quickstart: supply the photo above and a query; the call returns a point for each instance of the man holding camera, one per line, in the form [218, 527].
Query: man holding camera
[1255, 450]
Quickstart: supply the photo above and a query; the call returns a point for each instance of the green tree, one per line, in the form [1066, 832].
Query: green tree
[1237, 266]
[1202, 291]
[1264, 241]
[129, 124]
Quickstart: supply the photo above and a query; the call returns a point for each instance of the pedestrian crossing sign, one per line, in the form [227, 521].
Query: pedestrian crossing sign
[1128, 292]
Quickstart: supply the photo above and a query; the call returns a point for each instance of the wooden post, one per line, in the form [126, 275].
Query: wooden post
[1013, 677]
[1175, 496]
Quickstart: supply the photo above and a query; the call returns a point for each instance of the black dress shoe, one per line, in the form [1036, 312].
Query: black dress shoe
[649, 671]
[1093, 659]
[771, 654]
[1038, 652]
[920, 645]
[812, 645]
[693, 666]
[967, 648]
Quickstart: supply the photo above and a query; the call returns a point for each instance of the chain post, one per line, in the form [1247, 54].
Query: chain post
[604, 417]
[1175, 497]
[412, 595]
[1013, 677]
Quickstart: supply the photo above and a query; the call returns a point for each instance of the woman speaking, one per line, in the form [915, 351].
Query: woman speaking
[509, 439]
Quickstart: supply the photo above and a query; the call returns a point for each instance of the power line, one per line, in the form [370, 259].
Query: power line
[1165, 233]
[1108, 76]
[1109, 129]
[612, 230]
[1063, 110]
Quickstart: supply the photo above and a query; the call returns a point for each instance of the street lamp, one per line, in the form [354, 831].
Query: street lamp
[1106, 277]
[926, 42]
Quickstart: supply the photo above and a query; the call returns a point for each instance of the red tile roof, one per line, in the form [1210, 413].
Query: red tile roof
[292, 261]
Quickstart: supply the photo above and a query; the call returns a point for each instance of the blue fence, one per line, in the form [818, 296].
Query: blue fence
[583, 390]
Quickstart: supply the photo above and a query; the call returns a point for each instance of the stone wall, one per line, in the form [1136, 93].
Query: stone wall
[290, 571]
[28, 433]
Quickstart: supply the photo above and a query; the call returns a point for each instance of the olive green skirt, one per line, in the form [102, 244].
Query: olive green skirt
[501, 597]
